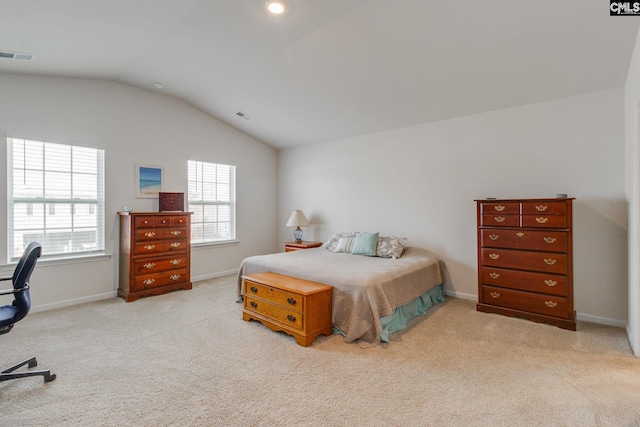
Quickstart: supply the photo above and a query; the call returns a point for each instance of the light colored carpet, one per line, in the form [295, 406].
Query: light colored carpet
[188, 359]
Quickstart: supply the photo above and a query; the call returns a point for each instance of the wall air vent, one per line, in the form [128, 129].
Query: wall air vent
[243, 115]
[15, 55]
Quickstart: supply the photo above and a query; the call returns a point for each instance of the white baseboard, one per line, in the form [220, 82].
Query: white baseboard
[70, 302]
[214, 275]
[579, 316]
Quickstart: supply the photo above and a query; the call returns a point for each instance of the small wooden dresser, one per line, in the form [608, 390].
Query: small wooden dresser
[297, 307]
[525, 259]
[155, 253]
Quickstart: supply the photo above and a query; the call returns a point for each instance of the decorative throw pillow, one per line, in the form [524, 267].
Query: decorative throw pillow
[332, 243]
[390, 246]
[345, 244]
[365, 244]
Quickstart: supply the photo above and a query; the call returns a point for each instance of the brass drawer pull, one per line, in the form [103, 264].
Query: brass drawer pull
[150, 234]
[542, 208]
[176, 232]
[494, 294]
[253, 289]
[174, 277]
[164, 221]
[150, 265]
[542, 220]
[149, 281]
[175, 261]
[494, 275]
[494, 236]
[550, 239]
[253, 304]
[292, 301]
[520, 234]
[150, 247]
[551, 304]
[291, 318]
[499, 219]
[550, 261]
[550, 283]
[176, 244]
[499, 208]
[494, 256]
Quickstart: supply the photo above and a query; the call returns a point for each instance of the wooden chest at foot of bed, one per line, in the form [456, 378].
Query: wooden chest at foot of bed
[297, 307]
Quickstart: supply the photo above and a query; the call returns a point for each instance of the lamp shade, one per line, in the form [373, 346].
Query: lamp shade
[297, 219]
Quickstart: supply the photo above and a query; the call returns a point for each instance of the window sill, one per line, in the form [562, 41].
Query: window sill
[197, 246]
[61, 260]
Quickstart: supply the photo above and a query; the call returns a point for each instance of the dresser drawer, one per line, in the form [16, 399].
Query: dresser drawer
[160, 233]
[503, 208]
[154, 265]
[285, 315]
[523, 280]
[499, 220]
[549, 241]
[150, 281]
[276, 296]
[160, 221]
[525, 260]
[548, 305]
[544, 221]
[547, 208]
[155, 247]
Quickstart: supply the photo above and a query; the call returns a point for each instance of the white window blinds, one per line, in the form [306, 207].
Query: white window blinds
[212, 199]
[56, 197]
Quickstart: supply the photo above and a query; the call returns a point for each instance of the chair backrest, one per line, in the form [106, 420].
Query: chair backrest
[21, 276]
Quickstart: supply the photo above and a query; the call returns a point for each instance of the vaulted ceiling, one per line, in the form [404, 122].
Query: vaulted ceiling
[328, 69]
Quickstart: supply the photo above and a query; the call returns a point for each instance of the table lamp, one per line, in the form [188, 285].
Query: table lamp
[297, 220]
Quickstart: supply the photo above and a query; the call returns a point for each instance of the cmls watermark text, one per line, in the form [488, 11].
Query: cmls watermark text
[620, 8]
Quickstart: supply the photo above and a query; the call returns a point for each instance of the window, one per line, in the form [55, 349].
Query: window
[212, 199]
[56, 197]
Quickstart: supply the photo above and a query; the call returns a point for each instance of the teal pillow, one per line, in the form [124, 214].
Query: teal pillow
[365, 244]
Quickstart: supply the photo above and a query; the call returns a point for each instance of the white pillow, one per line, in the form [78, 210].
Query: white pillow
[332, 243]
[345, 244]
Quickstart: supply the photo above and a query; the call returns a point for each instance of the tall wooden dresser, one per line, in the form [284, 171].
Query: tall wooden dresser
[525, 259]
[155, 253]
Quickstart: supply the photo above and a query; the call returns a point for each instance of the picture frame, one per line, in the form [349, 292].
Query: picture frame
[149, 181]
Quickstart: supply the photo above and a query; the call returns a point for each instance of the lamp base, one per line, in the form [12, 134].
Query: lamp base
[297, 234]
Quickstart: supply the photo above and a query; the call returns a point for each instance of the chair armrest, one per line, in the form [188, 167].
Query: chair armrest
[14, 291]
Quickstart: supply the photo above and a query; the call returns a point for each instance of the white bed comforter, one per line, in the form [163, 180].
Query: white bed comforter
[365, 288]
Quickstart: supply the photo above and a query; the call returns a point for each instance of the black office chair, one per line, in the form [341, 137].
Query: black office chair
[11, 314]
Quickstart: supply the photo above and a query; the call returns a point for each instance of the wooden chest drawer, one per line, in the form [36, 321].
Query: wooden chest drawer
[501, 208]
[548, 305]
[277, 296]
[151, 281]
[543, 283]
[525, 260]
[144, 234]
[155, 247]
[500, 220]
[547, 208]
[154, 265]
[548, 241]
[544, 221]
[291, 318]
[160, 221]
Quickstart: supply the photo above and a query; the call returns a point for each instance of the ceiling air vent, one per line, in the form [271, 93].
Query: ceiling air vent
[16, 55]
[243, 115]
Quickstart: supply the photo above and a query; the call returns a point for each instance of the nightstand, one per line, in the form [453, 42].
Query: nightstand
[293, 246]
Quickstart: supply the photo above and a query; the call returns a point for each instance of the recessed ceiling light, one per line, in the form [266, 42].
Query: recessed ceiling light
[276, 7]
[158, 85]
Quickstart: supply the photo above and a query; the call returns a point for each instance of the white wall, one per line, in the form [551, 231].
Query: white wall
[632, 138]
[420, 182]
[135, 126]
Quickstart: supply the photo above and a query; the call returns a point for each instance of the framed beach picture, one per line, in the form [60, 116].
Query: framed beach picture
[148, 181]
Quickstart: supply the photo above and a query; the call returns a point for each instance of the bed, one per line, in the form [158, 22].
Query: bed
[372, 296]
